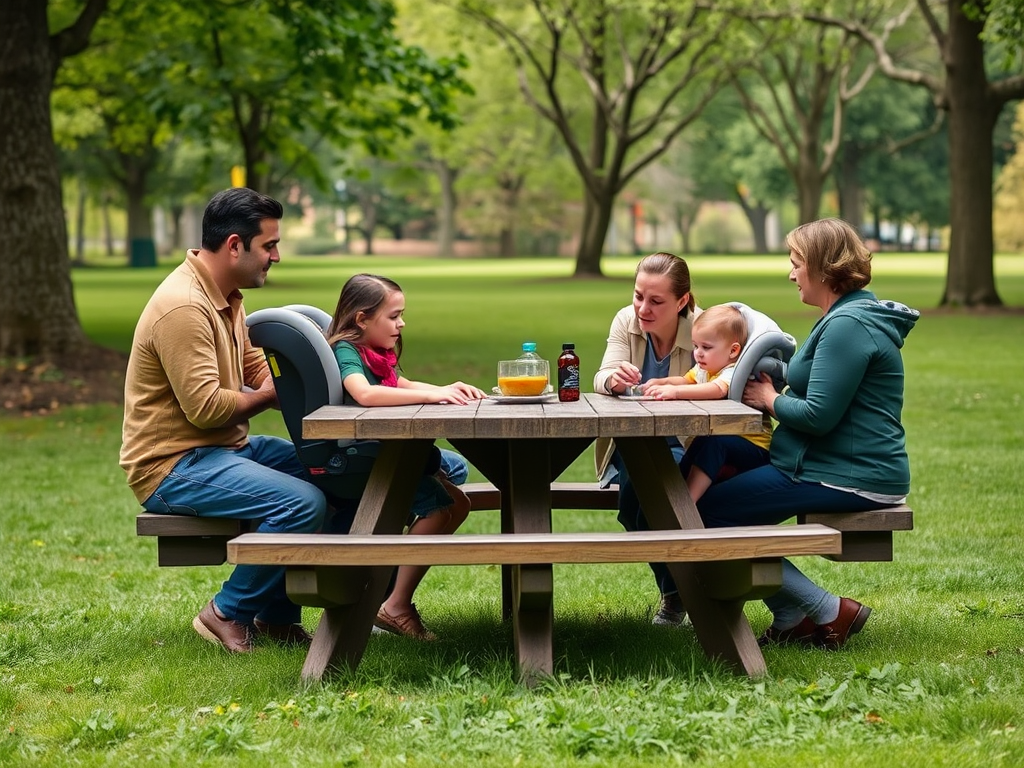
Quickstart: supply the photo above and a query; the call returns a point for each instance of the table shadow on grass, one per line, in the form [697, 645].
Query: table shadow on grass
[615, 647]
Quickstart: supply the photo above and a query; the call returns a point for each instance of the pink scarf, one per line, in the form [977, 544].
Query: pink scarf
[381, 363]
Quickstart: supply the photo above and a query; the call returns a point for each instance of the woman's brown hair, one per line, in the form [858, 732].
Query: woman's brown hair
[662, 263]
[833, 252]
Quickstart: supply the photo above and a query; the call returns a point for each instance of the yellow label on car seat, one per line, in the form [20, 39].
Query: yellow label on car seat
[274, 370]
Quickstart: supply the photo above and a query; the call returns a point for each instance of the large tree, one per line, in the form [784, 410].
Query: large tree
[37, 307]
[332, 70]
[972, 98]
[796, 97]
[619, 80]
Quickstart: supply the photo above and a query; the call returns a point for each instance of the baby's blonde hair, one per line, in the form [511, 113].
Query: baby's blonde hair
[725, 321]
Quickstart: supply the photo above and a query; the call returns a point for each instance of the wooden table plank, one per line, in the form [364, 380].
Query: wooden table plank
[330, 422]
[449, 421]
[728, 417]
[620, 417]
[386, 423]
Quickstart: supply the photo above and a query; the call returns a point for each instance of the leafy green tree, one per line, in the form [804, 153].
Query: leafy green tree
[292, 74]
[502, 173]
[619, 80]
[889, 128]
[973, 94]
[796, 97]
[37, 307]
[136, 116]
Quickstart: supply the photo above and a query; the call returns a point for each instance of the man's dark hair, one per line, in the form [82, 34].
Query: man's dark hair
[237, 211]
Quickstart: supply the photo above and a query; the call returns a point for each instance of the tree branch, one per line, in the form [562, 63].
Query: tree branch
[1008, 90]
[933, 24]
[522, 54]
[75, 39]
[878, 42]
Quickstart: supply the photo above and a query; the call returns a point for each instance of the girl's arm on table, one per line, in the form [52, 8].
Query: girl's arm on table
[367, 394]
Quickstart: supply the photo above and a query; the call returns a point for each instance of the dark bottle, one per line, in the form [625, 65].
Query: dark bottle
[568, 374]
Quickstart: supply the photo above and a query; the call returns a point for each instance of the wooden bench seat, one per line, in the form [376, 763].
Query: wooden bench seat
[746, 559]
[188, 540]
[867, 536]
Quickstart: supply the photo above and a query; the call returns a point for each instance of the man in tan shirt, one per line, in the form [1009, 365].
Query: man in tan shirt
[193, 382]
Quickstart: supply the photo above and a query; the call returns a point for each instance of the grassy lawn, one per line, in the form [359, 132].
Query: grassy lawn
[99, 665]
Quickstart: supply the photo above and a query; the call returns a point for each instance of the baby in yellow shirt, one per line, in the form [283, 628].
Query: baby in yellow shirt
[719, 334]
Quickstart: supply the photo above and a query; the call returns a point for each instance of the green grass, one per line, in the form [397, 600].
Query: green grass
[99, 665]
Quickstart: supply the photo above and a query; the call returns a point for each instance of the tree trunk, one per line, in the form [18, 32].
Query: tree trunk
[507, 243]
[809, 187]
[597, 213]
[176, 213]
[140, 212]
[511, 187]
[108, 227]
[757, 217]
[368, 208]
[970, 271]
[37, 306]
[851, 194]
[80, 201]
[446, 216]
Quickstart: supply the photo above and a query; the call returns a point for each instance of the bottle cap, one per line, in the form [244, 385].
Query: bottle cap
[568, 346]
[529, 346]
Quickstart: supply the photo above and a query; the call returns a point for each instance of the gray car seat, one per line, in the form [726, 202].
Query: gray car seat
[768, 350]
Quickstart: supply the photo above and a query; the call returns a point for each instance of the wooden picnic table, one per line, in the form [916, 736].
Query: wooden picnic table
[521, 449]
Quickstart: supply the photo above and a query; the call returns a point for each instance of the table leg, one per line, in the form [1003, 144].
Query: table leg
[533, 618]
[529, 491]
[720, 625]
[344, 630]
[491, 457]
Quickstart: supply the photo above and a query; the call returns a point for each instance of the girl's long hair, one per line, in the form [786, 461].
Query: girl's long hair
[361, 293]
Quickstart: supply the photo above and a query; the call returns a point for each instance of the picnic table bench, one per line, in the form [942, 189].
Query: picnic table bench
[335, 572]
[184, 540]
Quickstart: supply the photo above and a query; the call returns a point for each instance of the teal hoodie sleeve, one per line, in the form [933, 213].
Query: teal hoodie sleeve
[824, 376]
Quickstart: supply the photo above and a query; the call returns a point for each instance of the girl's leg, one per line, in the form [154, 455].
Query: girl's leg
[697, 482]
[399, 612]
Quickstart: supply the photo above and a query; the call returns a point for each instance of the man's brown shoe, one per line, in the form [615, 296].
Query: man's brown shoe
[231, 635]
[405, 624]
[802, 634]
[286, 634]
[851, 619]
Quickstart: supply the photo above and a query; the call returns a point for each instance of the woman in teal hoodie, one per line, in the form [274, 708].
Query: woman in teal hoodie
[839, 444]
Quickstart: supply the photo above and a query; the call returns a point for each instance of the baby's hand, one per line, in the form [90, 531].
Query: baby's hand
[662, 391]
[654, 382]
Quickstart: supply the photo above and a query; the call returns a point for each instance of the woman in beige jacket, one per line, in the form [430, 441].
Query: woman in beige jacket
[650, 339]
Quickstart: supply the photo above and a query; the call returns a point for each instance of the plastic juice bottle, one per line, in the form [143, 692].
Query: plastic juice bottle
[568, 374]
[531, 373]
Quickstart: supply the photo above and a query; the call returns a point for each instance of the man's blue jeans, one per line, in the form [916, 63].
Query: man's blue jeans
[262, 481]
